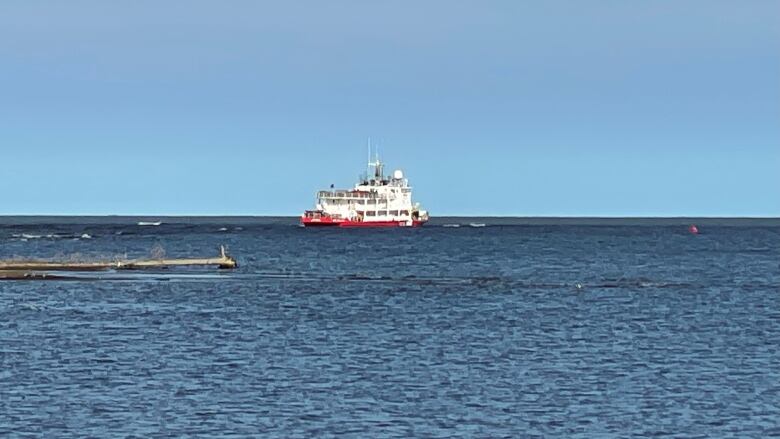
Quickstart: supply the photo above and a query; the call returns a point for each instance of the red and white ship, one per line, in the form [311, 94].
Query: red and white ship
[376, 201]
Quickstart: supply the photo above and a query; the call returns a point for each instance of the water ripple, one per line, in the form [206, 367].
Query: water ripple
[479, 333]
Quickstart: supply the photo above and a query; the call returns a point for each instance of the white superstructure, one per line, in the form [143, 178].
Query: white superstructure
[375, 199]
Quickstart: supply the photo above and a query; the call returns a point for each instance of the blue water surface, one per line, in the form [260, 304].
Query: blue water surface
[524, 330]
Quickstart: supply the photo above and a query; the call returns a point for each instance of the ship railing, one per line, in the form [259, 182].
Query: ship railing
[346, 194]
[320, 214]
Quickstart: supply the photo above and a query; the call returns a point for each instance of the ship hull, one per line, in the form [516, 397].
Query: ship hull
[331, 222]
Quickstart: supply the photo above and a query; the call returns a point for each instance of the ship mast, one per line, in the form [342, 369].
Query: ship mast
[376, 164]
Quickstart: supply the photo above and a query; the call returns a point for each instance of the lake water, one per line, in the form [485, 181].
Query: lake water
[522, 328]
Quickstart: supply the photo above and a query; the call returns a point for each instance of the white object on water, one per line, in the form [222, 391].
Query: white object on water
[477, 224]
[149, 223]
[451, 225]
[376, 200]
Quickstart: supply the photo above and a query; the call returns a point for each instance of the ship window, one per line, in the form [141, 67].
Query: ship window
[394, 212]
[382, 212]
[370, 213]
[371, 201]
[404, 212]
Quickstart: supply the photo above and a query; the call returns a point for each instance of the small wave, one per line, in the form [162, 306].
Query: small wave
[451, 225]
[476, 224]
[26, 236]
[32, 306]
[758, 250]
[149, 223]
[222, 229]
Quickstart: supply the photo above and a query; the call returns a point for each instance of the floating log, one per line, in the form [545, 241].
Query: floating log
[8, 266]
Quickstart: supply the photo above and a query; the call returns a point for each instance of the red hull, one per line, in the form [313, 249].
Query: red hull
[331, 222]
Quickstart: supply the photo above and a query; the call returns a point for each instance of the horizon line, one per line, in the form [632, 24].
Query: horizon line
[109, 215]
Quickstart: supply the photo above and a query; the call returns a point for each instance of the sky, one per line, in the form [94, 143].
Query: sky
[523, 108]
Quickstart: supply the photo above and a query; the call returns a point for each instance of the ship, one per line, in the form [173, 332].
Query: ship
[376, 200]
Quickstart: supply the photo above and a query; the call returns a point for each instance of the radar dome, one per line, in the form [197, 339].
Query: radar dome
[398, 174]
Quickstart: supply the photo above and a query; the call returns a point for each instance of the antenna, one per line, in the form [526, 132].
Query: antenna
[376, 164]
[368, 166]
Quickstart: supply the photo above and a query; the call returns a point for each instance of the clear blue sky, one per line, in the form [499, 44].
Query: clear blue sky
[492, 108]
